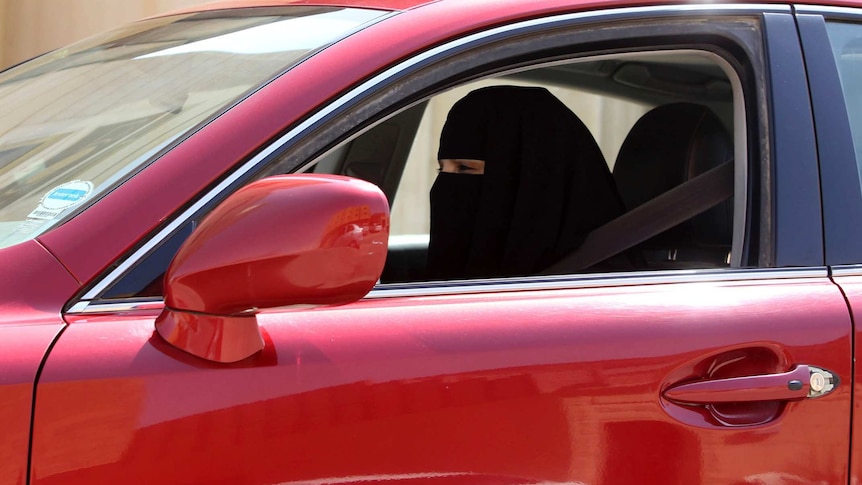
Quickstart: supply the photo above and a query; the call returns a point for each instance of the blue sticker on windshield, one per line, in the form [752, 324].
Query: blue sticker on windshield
[64, 195]
[61, 198]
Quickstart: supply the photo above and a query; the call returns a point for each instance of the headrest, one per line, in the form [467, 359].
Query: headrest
[669, 145]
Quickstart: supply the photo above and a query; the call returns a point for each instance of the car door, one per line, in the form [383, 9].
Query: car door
[830, 38]
[737, 374]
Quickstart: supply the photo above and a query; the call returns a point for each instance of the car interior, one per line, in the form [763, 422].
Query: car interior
[670, 125]
[661, 119]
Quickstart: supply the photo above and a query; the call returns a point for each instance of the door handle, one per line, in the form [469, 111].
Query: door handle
[802, 382]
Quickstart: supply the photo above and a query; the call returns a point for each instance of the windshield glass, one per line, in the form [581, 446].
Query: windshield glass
[80, 120]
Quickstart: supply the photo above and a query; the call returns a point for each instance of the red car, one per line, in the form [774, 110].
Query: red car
[200, 280]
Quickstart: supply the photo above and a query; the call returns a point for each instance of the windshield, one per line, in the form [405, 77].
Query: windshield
[80, 120]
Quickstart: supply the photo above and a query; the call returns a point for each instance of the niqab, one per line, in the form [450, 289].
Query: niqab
[546, 186]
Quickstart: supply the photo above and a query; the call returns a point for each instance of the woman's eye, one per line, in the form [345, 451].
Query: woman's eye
[465, 168]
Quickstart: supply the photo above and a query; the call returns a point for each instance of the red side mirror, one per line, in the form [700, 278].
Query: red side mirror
[281, 241]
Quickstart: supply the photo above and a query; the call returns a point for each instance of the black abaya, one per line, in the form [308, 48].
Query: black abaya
[545, 187]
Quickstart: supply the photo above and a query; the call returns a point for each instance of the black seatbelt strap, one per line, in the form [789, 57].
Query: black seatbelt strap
[649, 219]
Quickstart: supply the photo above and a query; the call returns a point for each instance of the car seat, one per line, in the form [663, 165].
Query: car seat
[668, 146]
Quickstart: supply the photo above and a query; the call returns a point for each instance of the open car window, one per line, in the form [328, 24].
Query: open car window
[660, 120]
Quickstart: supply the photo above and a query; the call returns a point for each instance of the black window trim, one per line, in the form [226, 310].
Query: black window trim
[839, 173]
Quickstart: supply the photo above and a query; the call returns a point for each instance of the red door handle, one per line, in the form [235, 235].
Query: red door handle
[801, 382]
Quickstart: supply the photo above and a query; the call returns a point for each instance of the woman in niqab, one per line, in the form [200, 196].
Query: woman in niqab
[543, 186]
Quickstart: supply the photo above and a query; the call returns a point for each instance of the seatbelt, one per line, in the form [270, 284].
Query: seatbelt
[649, 219]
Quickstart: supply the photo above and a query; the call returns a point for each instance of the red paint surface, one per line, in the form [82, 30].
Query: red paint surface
[33, 288]
[545, 386]
[281, 241]
[533, 387]
[212, 337]
[287, 240]
[21, 351]
[852, 288]
[33, 284]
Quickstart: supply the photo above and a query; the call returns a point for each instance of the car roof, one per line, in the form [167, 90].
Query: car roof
[374, 4]
[536, 5]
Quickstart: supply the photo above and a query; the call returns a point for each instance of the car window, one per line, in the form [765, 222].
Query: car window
[649, 140]
[660, 119]
[846, 40]
[608, 119]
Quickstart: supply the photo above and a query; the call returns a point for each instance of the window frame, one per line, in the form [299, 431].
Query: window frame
[561, 36]
[839, 174]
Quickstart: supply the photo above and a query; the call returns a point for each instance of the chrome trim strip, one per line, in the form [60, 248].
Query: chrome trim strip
[533, 283]
[393, 71]
[569, 282]
[829, 11]
[83, 308]
[847, 270]
[80, 307]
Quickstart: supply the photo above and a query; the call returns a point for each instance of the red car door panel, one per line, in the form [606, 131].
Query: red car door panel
[852, 288]
[831, 44]
[548, 386]
[30, 285]
[22, 349]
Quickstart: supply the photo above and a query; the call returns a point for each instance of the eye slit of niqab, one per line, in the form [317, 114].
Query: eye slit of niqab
[461, 165]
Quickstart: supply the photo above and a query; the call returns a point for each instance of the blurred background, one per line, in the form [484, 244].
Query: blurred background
[32, 27]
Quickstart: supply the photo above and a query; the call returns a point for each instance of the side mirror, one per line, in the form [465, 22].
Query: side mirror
[282, 241]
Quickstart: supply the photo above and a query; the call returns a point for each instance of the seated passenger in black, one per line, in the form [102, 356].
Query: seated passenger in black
[521, 183]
